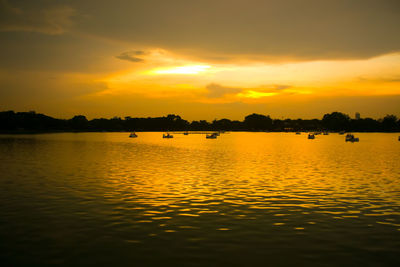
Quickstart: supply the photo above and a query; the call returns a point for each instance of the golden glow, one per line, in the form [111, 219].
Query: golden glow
[248, 165]
[172, 78]
[194, 69]
[190, 81]
[91, 66]
[255, 94]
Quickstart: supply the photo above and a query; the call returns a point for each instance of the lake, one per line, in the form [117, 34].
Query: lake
[243, 199]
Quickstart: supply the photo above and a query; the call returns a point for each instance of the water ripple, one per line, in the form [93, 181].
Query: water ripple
[242, 198]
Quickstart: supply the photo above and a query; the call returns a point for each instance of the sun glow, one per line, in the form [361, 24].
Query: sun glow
[255, 94]
[191, 69]
[162, 76]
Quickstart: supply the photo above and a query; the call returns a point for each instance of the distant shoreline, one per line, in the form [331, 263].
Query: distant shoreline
[35, 123]
[193, 132]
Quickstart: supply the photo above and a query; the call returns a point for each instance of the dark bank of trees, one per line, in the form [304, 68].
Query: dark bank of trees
[32, 122]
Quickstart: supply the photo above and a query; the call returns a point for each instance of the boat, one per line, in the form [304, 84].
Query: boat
[325, 133]
[298, 133]
[311, 136]
[167, 135]
[341, 132]
[351, 138]
[186, 133]
[133, 135]
[212, 136]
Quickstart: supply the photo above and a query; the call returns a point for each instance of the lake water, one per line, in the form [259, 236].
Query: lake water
[243, 199]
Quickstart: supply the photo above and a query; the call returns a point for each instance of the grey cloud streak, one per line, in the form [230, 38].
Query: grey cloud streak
[217, 90]
[131, 56]
[51, 19]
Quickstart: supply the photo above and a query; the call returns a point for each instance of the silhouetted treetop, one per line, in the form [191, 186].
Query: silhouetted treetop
[390, 123]
[25, 122]
[336, 121]
[258, 122]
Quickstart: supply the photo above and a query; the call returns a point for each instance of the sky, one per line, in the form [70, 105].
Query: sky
[200, 59]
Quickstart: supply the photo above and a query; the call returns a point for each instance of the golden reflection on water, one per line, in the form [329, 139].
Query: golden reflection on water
[275, 172]
[241, 190]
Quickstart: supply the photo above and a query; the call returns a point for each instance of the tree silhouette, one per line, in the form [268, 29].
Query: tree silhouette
[336, 121]
[32, 122]
[258, 122]
[79, 123]
[389, 123]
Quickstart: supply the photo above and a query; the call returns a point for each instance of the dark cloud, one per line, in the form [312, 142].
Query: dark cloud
[51, 19]
[216, 90]
[270, 30]
[61, 53]
[131, 56]
[224, 30]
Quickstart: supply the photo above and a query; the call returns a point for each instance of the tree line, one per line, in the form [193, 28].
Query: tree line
[26, 122]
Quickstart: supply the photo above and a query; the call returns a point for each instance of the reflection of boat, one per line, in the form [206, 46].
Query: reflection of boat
[311, 136]
[212, 136]
[167, 135]
[133, 135]
[351, 138]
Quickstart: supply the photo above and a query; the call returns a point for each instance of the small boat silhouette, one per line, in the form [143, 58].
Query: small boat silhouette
[133, 135]
[167, 135]
[351, 138]
[311, 136]
[212, 136]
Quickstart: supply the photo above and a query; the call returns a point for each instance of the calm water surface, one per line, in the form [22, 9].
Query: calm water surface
[266, 199]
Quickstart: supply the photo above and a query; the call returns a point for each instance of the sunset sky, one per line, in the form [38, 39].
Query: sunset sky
[200, 59]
